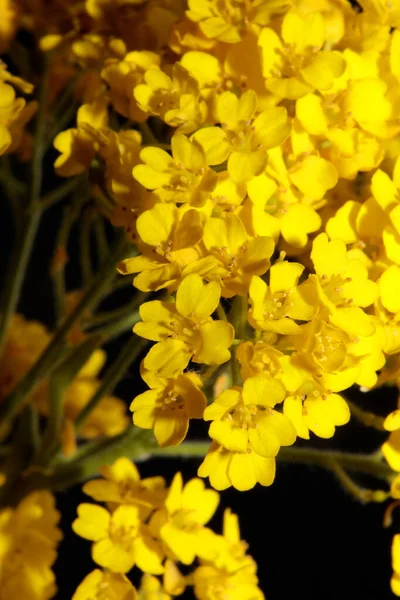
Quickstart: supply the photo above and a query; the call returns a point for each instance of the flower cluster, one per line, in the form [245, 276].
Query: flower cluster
[15, 112]
[270, 214]
[249, 151]
[29, 540]
[148, 525]
[25, 342]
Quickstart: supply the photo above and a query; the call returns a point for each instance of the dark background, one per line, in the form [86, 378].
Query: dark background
[310, 538]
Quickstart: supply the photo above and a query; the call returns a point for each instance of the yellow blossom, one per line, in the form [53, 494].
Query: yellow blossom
[98, 583]
[233, 255]
[177, 101]
[237, 469]
[245, 136]
[122, 76]
[277, 306]
[168, 238]
[168, 406]
[151, 588]
[122, 485]
[182, 178]
[180, 524]
[296, 63]
[29, 539]
[185, 330]
[245, 418]
[395, 580]
[79, 146]
[120, 539]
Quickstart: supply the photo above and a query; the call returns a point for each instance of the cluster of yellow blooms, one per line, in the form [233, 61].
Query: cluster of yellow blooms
[144, 523]
[28, 541]
[250, 150]
[24, 344]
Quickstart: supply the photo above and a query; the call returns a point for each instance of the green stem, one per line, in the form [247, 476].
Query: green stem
[16, 273]
[361, 494]
[221, 312]
[59, 193]
[103, 318]
[85, 247]
[133, 442]
[367, 464]
[119, 326]
[52, 354]
[101, 238]
[19, 263]
[112, 376]
[368, 419]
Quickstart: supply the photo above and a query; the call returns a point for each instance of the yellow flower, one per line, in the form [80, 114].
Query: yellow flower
[240, 585]
[176, 100]
[295, 63]
[391, 447]
[79, 146]
[168, 237]
[120, 539]
[234, 256]
[122, 76]
[227, 22]
[260, 357]
[24, 343]
[180, 525]
[182, 178]
[277, 306]
[122, 485]
[245, 418]
[278, 207]
[311, 409]
[152, 589]
[242, 471]
[395, 580]
[324, 354]
[168, 406]
[343, 285]
[29, 538]
[244, 138]
[14, 112]
[107, 419]
[105, 584]
[8, 23]
[185, 329]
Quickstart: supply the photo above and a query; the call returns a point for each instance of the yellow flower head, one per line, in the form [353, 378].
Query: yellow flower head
[105, 584]
[240, 470]
[343, 285]
[395, 580]
[168, 406]
[29, 538]
[185, 330]
[245, 136]
[233, 255]
[122, 485]
[277, 306]
[79, 146]
[182, 178]
[122, 76]
[180, 525]
[227, 22]
[168, 238]
[296, 63]
[176, 100]
[245, 418]
[120, 540]
[312, 409]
